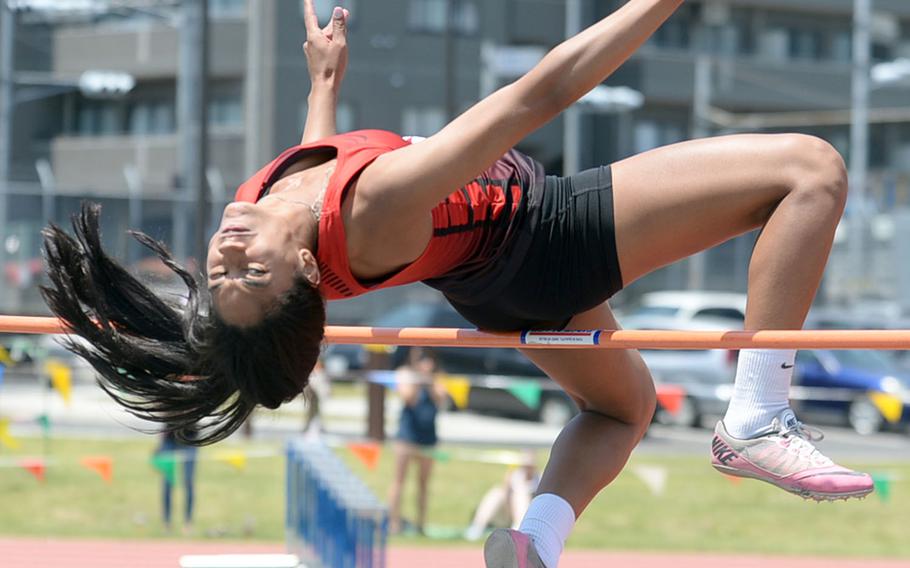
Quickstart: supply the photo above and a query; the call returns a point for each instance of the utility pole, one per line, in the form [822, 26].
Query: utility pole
[701, 105]
[571, 162]
[7, 102]
[859, 141]
[255, 37]
[451, 78]
[193, 131]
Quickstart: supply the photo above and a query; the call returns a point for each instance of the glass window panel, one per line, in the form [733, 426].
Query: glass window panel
[140, 119]
[88, 119]
[227, 8]
[324, 9]
[424, 121]
[347, 119]
[647, 136]
[467, 18]
[162, 118]
[226, 110]
[110, 119]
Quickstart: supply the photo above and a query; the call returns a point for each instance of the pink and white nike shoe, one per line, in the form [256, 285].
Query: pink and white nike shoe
[785, 456]
[507, 548]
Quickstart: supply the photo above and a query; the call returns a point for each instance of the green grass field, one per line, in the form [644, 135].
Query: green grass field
[700, 510]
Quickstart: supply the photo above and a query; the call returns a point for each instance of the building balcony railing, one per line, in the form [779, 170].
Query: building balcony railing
[101, 162]
[147, 52]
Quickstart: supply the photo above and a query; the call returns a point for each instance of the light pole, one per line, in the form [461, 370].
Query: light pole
[7, 94]
[859, 140]
[193, 130]
[571, 118]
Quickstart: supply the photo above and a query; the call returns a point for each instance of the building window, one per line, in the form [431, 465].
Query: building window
[842, 46]
[430, 16]
[226, 111]
[152, 117]
[673, 35]
[774, 44]
[650, 134]
[345, 117]
[227, 8]
[422, 121]
[324, 9]
[804, 44]
[99, 118]
[676, 33]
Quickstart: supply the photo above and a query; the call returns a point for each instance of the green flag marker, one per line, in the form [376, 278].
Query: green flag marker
[166, 464]
[527, 392]
[45, 422]
[882, 482]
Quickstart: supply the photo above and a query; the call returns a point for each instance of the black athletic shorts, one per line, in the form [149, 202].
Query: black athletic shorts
[570, 265]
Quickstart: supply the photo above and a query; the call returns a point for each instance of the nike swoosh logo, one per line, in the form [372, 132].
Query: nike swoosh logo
[785, 366]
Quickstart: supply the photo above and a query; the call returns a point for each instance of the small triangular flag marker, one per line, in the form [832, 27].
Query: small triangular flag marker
[61, 379]
[236, 459]
[367, 452]
[102, 465]
[35, 466]
[527, 392]
[45, 422]
[5, 359]
[654, 477]
[891, 406]
[6, 439]
[882, 482]
[458, 388]
[671, 398]
[166, 463]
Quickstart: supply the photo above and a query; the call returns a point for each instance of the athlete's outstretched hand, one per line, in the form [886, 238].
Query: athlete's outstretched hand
[326, 48]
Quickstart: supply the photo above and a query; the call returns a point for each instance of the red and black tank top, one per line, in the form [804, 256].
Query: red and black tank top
[472, 228]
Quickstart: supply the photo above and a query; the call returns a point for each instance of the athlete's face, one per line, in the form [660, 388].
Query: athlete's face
[253, 259]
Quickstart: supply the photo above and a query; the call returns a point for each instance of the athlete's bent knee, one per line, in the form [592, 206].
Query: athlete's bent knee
[637, 407]
[819, 170]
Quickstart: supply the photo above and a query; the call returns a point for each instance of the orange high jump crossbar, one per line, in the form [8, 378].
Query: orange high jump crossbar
[602, 339]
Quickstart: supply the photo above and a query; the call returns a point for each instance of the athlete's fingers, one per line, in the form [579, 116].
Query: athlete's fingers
[339, 23]
[310, 18]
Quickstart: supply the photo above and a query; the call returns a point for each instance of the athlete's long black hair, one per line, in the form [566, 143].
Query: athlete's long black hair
[173, 362]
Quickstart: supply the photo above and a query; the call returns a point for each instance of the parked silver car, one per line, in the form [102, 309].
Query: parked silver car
[706, 375]
[687, 305]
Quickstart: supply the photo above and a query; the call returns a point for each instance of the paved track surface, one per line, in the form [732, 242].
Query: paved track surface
[41, 553]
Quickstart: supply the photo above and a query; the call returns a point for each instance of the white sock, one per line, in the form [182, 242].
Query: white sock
[548, 522]
[761, 390]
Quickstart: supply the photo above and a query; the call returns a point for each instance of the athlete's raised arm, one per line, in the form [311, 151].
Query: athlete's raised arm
[327, 59]
[411, 181]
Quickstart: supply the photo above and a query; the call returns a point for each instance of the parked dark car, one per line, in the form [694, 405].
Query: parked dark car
[837, 386]
[491, 370]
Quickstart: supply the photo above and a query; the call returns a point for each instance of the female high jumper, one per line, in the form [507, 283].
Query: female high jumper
[509, 247]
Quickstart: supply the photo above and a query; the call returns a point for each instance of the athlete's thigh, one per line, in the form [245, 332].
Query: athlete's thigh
[614, 382]
[674, 201]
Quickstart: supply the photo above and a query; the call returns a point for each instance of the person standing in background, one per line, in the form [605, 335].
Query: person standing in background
[422, 397]
[181, 453]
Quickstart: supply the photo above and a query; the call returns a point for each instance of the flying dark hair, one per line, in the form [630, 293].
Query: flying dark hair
[172, 362]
